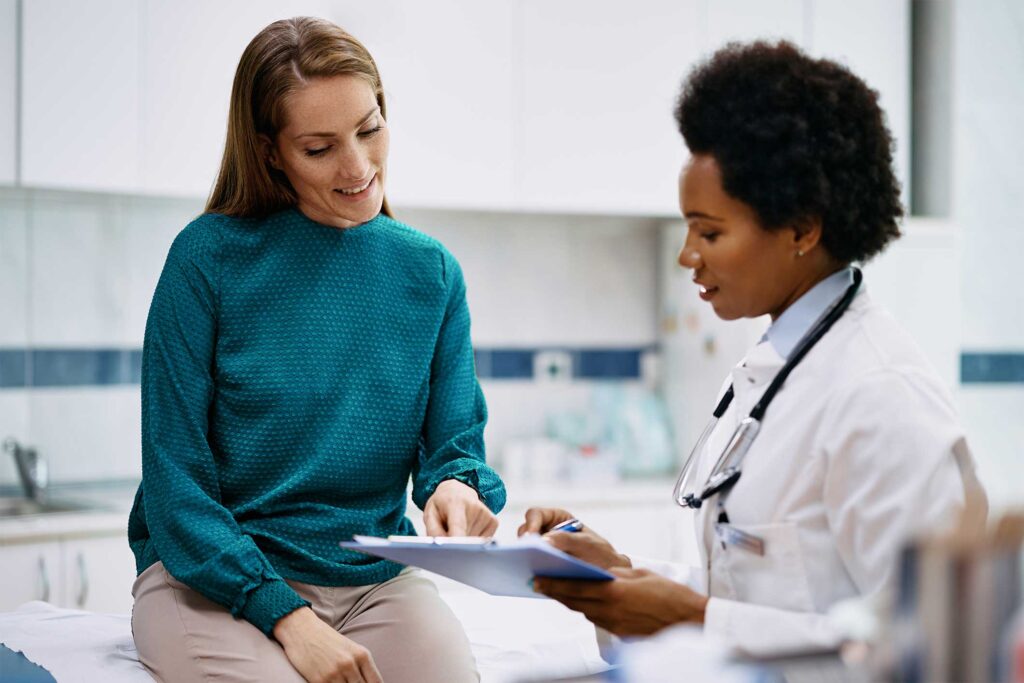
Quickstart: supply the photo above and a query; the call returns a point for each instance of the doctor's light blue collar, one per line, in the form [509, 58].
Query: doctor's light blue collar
[795, 321]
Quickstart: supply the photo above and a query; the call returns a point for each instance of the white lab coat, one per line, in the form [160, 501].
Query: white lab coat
[859, 450]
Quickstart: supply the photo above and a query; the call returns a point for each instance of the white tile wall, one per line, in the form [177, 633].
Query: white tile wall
[14, 270]
[918, 278]
[80, 270]
[87, 432]
[14, 422]
[552, 280]
[77, 257]
[993, 292]
[988, 204]
[150, 227]
[991, 414]
[699, 349]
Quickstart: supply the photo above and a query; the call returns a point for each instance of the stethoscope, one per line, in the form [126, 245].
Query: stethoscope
[727, 469]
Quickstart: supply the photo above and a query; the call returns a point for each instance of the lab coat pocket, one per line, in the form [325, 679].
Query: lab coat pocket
[775, 578]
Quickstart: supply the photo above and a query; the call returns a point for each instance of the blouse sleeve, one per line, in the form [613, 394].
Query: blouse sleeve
[195, 536]
[452, 441]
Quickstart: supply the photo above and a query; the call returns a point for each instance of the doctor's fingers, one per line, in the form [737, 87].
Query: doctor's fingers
[539, 520]
[589, 547]
[571, 589]
[598, 613]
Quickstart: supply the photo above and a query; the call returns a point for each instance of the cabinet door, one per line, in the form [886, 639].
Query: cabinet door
[80, 94]
[595, 100]
[872, 37]
[8, 90]
[30, 572]
[98, 574]
[747, 20]
[190, 50]
[447, 69]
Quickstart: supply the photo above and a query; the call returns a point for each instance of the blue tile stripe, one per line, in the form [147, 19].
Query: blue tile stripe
[991, 368]
[13, 367]
[69, 367]
[21, 367]
[100, 367]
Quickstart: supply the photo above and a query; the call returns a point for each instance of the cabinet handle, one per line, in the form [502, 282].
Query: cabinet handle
[83, 581]
[44, 581]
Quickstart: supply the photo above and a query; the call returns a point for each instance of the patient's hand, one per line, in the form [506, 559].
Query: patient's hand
[637, 603]
[456, 510]
[320, 653]
[584, 544]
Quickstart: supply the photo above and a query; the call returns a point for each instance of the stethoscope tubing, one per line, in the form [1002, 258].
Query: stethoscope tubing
[727, 469]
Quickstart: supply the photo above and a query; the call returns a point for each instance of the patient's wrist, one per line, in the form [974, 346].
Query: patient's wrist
[292, 624]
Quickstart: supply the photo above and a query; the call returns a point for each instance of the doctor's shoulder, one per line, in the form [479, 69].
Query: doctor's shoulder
[883, 382]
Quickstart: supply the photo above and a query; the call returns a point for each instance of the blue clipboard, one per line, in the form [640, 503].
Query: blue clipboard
[495, 567]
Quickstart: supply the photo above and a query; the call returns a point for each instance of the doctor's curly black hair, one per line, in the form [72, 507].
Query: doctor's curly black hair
[796, 138]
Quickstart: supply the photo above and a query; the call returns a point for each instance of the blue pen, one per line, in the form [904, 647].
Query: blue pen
[570, 525]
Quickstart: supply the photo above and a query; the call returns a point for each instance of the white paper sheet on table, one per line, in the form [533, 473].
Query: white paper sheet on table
[495, 567]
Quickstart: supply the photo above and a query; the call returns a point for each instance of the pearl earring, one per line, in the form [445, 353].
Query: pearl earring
[800, 252]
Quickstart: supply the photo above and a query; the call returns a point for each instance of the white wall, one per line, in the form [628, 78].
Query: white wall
[78, 270]
[988, 203]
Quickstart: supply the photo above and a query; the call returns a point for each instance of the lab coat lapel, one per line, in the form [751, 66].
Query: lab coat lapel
[750, 379]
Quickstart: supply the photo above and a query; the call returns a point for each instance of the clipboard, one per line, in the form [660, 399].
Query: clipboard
[495, 567]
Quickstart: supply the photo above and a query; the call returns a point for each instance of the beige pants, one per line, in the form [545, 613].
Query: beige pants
[408, 629]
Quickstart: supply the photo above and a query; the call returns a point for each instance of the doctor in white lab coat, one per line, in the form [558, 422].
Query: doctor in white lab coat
[789, 183]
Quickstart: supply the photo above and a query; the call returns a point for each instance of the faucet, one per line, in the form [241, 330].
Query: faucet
[31, 469]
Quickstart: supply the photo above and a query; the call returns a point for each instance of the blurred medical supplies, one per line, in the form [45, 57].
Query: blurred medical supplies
[624, 432]
[957, 610]
[680, 653]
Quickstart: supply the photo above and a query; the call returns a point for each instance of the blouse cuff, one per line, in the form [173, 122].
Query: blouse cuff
[269, 602]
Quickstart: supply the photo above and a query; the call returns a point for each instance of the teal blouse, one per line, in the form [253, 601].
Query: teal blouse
[294, 377]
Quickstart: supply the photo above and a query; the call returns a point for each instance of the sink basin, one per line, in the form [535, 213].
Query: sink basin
[20, 507]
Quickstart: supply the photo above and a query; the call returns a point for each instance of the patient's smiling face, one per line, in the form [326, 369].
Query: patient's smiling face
[333, 149]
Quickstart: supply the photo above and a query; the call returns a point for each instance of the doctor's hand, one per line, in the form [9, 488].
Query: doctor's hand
[584, 544]
[456, 510]
[637, 603]
[320, 653]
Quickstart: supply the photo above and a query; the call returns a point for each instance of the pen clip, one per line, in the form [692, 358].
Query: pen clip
[571, 525]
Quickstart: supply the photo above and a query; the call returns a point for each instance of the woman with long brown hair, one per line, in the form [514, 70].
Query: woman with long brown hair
[305, 355]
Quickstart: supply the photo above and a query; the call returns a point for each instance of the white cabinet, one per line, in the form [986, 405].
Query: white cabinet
[520, 104]
[94, 573]
[98, 574]
[746, 20]
[30, 572]
[8, 91]
[449, 73]
[597, 86]
[872, 37]
[80, 94]
[190, 50]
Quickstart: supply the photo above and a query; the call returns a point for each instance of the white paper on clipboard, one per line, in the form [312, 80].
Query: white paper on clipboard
[495, 567]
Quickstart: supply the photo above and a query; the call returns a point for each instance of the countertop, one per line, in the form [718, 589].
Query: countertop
[110, 503]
